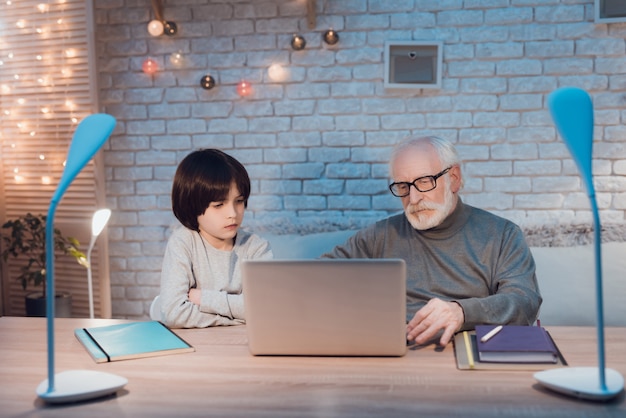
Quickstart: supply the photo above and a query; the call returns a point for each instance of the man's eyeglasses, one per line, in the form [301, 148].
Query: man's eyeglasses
[422, 184]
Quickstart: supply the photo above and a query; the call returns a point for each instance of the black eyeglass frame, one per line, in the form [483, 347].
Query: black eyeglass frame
[413, 183]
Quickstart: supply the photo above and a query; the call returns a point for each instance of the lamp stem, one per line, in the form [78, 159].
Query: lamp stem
[89, 279]
[51, 294]
[599, 302]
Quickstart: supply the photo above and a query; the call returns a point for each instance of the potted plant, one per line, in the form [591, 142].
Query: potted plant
[26, 238]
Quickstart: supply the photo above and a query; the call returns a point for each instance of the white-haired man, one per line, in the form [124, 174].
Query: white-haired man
[465, 266]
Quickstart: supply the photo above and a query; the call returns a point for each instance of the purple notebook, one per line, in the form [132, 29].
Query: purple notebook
[516, 344]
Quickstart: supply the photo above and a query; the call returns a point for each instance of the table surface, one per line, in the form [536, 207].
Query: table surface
[222, 379]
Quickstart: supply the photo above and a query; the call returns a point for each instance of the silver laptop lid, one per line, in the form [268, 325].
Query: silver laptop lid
[325, 307]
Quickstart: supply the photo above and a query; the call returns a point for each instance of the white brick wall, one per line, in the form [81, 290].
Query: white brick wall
[316, 144]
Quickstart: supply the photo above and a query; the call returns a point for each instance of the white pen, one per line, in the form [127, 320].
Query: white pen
[491, 333]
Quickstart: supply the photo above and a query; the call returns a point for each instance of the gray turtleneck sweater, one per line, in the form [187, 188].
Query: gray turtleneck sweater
[474, 258]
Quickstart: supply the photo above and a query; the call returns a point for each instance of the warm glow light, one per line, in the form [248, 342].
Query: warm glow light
[46, 180]
[70, 104]
[66, 72]
[18, 178]
[38, 57]
[45, 110]
[277, 72]
[42, 157]
[150, 66]
[176, 58]
[5, 89]
[43, 8]
[21, 23]
[244, 88]
[21, 101]
[155, 28]
[70, 53]
[32, 133]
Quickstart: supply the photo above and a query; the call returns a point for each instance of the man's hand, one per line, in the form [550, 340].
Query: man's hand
[433, 317]
[195, 296]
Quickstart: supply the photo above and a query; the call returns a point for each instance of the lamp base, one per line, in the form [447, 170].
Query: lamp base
[80, 385]
[582, 382]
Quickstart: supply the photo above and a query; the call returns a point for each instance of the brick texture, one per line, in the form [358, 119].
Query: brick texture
[316, 141]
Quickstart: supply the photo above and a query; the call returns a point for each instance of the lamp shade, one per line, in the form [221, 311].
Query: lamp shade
[99, 221]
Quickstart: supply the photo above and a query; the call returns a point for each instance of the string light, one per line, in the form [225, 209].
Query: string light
[22, 110]
[177, 58]
[207, 82]
[298, 42]
[170, 28]
[149, 66]
[155, 28]
[277, 72]
[244, 88]
[331, 37]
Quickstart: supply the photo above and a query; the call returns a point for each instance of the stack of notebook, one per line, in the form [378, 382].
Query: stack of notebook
[514, 347]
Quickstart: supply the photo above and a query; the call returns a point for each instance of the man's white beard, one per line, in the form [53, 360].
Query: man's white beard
[421, 220]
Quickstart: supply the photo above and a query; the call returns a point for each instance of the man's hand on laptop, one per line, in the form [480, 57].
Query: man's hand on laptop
[435, 316]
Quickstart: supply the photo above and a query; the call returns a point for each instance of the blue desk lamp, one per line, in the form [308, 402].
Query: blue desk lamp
[74, 385]
[572, 112]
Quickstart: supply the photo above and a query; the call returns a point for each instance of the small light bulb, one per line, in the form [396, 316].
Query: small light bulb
[244, 88]
[150, 66]
[277, 72]
[155, 28]
[176, 58]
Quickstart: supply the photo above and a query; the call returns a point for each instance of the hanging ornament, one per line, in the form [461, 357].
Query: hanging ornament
[331, 37]
[298, 42]
[244, 88]
[207, 82]
[155, 28]
[149, 66]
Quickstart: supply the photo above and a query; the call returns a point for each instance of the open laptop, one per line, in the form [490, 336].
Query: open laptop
[325, 307]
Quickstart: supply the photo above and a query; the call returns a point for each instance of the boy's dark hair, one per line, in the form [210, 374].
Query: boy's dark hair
[202, 177]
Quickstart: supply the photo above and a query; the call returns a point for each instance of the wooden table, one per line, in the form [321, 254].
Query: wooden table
[222, 379]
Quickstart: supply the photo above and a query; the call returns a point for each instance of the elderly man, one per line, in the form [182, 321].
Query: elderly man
[465, 266]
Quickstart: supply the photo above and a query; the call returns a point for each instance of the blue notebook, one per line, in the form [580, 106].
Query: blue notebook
[131, 340]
